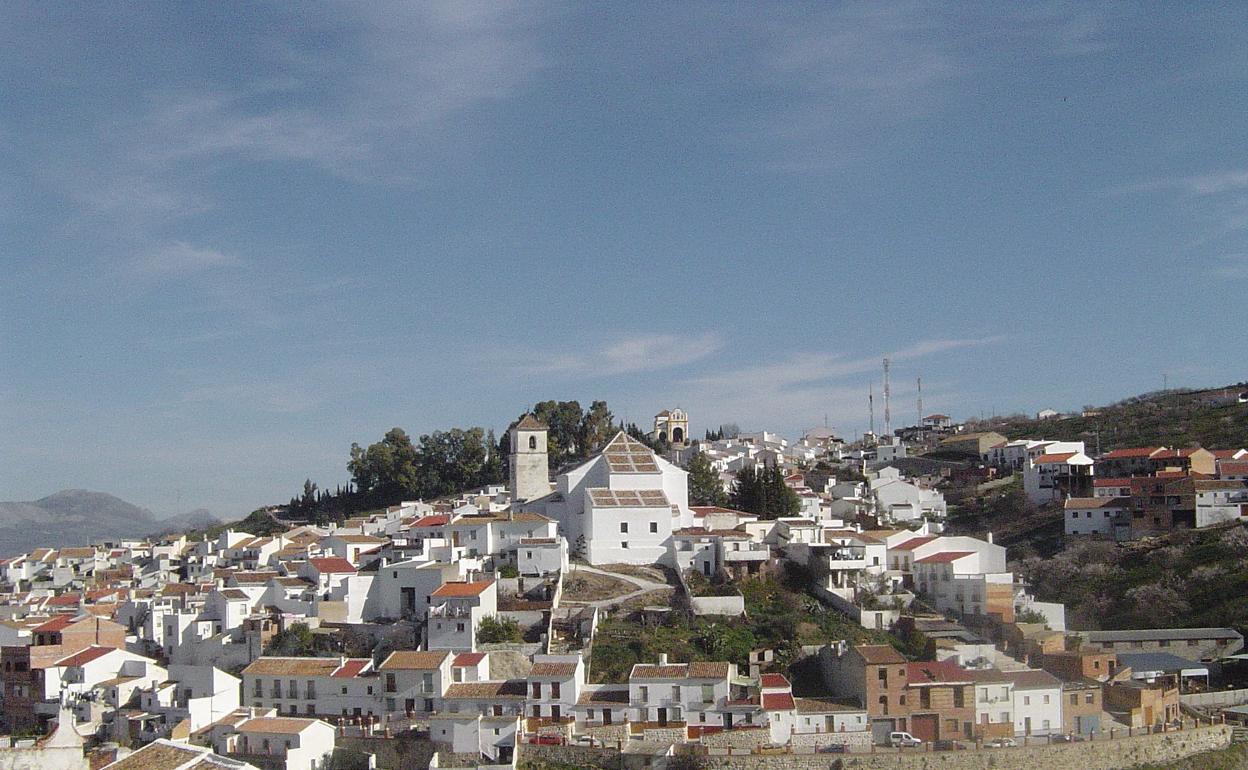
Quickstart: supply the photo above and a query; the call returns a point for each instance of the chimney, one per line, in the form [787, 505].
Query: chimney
[662, 658]
[990, 538]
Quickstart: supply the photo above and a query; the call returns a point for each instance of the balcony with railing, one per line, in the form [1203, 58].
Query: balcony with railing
[450, 611]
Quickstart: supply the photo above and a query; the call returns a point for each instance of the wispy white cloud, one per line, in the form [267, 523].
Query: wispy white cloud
[841, 77]
[403, 71]
[180, 258]
[849, 78]
[1212, 183]
[807, 368]
[802, 386]
[626, 355]
[276, 397]
[371, 92]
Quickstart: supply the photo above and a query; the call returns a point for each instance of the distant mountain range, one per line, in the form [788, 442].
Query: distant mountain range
[75, 517]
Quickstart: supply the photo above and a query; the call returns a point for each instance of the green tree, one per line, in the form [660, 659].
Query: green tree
[762, 491]
[389, 469]
[705, 488]
[563, 423]
[745, 495]
[597, 428]
[496, 630]
[294, 641]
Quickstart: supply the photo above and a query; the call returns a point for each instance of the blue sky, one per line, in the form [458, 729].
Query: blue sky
[236, 238]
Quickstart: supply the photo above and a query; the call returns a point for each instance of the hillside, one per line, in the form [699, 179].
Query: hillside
[1210, 418]
[78, 516]
[1187, 578]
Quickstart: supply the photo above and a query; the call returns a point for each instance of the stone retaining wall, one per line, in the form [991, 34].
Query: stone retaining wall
[618, 732]
[742, 738]
[1092, 755]
[860, 739]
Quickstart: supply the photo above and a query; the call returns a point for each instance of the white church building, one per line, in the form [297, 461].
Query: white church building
[618, 507]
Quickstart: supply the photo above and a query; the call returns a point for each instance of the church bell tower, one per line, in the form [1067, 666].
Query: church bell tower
[530, 473]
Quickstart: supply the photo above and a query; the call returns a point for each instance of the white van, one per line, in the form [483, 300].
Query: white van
[903, 740]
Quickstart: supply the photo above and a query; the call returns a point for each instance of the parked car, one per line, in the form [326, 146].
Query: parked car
[945, 745]
[547, 740]
[1068, 738]
[1002, 743]
[587, 740]
[903, 740]
[833, 748]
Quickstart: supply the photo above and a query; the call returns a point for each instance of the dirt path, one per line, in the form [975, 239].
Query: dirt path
[641, 586]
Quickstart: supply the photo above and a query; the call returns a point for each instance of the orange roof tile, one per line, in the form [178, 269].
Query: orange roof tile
[458, 589]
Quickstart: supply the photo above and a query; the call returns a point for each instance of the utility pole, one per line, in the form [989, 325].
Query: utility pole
[871, 405]
[920, 422]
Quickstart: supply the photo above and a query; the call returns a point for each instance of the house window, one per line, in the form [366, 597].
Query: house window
[1088, 698]
[554, 689]
[624, 527]
[459, 627]
[1026, 700]
[624, 545]
[654, 526]
[532, 442]
[390, 683]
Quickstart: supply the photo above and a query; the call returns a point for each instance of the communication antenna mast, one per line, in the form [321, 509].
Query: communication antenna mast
[920, 422]
[871, 405]
[888, 417]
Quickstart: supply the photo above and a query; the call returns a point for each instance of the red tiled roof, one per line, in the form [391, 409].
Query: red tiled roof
[913, 543]
[333, 565]
[57, 623]
[1226, 454]
[774, 680]
[1114, 482]
[876, 654]
[552, 668]
[64, 600]
[944, 557]
[1139, 451]
[1236, 467]
[1082, 503]
[935, 672]
[420, 660]
[704, 510]
[778, 701]
[351, 667]
[435, 520]
[462, 589]
[468, 659]
[1053, 459]
[85, 656]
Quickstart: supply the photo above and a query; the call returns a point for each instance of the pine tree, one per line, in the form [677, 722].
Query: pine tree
[704, 484]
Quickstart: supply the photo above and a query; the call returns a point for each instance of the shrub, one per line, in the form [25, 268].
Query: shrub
[496, 630]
